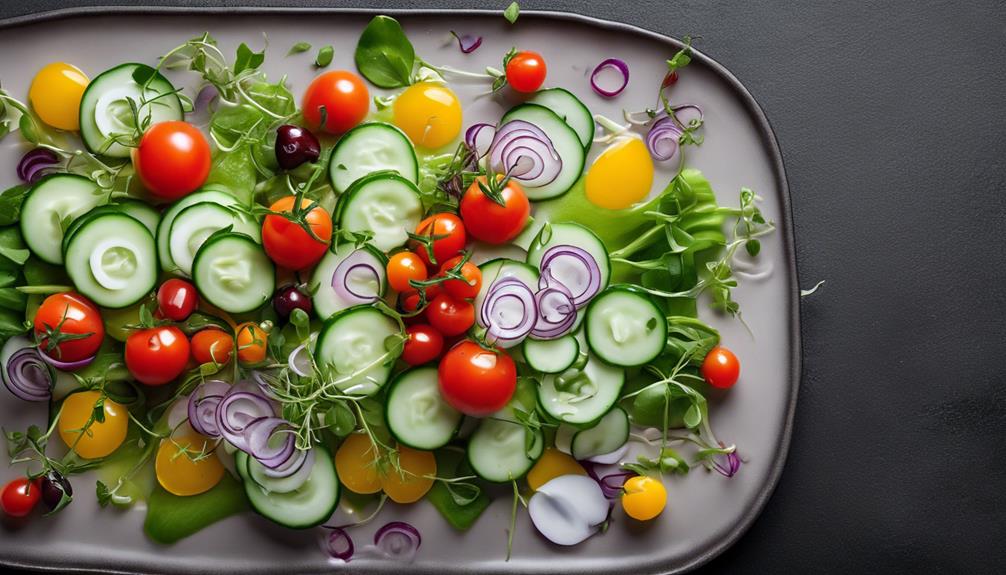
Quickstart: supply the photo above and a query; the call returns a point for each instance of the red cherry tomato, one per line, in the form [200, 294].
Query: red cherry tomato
[721, 368]
[446, 234]
[173, 159]
[157, 355]
[344, 97]
[476, 381]
[423, 346]
[288, 243]
[490, 222]
[212, 345]
[525, 72]
[449, 315]
[177, 299]
[404, 267]
[69, 314]
[20, 496]
[468, 288]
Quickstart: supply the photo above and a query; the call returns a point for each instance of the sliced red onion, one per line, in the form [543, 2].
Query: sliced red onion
[398, 541]
[508, 311]
[34, 164]
[67, 365]
[237, 411]
[203, 405]
[339, 545]
[262, 444]
[300, 463]
[618, 66]
[727, 465]
[353, 276]
[574, 268]
[556, 312]
[525, 152]
[300, 361]
[663, 139]
[468, 43]
[472, 138]
[613, 483]
[25, 374]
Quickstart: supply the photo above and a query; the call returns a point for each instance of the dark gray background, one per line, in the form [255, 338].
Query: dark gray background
[891, 120]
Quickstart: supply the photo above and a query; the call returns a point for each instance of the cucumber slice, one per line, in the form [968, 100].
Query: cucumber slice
[416, 413]
[256, 472]
[384, 204]
[552, 355]
[112, 259]
[609, 434]
[327, 301]
[234, 273]
[141, 211]
[164, 227]
[570, 109]
[309, 506]
[581, 397]
[625, 327]
[52, 204]
[565, 141]
[369, 148]
[498, 452]
[105, 110]
[500, 268]
[354, 346]
[194, 224]
[572, 235]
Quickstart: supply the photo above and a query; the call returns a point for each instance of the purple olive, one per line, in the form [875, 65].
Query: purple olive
[295, 146]
[54, 486]
[288, 299]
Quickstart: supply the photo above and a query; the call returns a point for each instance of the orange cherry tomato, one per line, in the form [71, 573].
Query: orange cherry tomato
[525, 71]
[212, 345]
[157, 355]
[69, 314]
[721, 368]
[490, 222]
[173, 159]
[451, 316]
[446, 236]
[423, 345]
[477, 381]
[288, 243]
[468, 288]
[344, 97]
[252, 341]
[404, 267]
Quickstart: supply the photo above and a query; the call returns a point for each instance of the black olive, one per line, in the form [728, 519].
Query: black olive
[295, 146]
[288, 299]
[54, 485]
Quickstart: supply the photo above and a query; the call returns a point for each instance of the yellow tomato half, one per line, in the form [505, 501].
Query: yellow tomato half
[429, 114]
[356, 463]
[183, 468]
[644, 497]
[621, 176]
[416, 477]
[101, 437]
[55, 95]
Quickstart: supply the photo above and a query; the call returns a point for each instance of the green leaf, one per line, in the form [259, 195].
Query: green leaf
[10, 204]
[324, 57]
[171, 518]
[340, 419]
[143, 74]
[298, 48]
[457, 506]
[247, 60]
[693, 417]
[104, 494]
[752, 247]
[28, 129]
[384, 55]
[512, 12]
[12, 299]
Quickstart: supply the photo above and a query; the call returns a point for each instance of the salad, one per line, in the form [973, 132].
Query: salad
[317, 303]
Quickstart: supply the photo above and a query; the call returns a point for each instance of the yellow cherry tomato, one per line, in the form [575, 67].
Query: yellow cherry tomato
[356, 464]
[621, 176]
[429, 114]
[55, 95]
[553, 463]
[252, 341]
[644, 497]
[101, 437]
[181, 468]
[416, 477]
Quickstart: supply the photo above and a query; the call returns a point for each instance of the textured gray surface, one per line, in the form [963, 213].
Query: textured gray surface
[891, 123]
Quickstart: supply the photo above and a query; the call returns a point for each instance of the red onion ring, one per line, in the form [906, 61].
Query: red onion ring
[587, 281]
[203, 406]
[663, 139]
[556, 312]
[301, 367]
[237, 411]
[472, 138]
[730, 467]
[34, 163]
[615, 64]
[300, 462]
[259, 435]
[67, 365]
[611, 485]
[339, 545]
[360, 261]
[398, 541]
[518, 143]
[27, 376]
[508, 325]
[467, 42]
